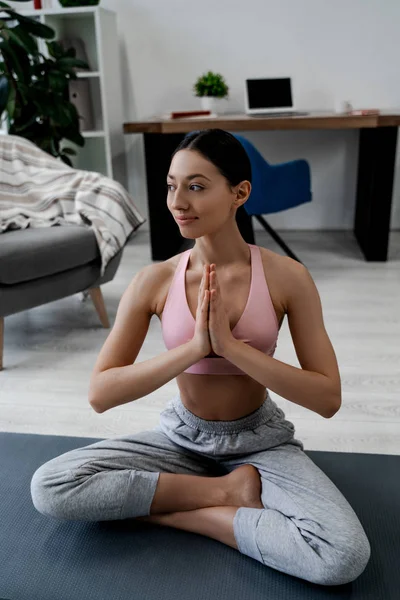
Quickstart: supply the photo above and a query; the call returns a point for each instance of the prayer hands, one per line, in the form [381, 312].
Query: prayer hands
[218, 323]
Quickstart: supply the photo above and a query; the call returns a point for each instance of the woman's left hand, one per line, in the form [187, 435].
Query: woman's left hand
[218, 322]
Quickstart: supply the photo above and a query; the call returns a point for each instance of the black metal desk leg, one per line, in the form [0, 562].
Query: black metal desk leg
[376, 161]
[165, 237]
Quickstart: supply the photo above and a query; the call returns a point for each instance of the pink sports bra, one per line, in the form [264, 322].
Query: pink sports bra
[258, 325]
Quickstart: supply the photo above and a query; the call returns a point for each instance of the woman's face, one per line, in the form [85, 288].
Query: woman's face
[197, 189]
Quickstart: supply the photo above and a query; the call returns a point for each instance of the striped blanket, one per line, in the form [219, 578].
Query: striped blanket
[38, 190]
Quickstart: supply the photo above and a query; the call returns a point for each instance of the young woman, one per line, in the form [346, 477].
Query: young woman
[223, 461]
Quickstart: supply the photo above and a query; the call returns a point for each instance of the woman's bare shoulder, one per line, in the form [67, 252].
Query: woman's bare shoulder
[279, 264]
[157, 278]
[281, 273]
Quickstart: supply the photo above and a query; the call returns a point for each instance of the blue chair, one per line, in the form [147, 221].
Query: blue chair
[275, 188]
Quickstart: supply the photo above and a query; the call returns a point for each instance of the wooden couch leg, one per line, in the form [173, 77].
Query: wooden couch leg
[1, 342]
[98, 301]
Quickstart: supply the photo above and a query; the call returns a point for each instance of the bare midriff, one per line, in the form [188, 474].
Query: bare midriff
[222, 397]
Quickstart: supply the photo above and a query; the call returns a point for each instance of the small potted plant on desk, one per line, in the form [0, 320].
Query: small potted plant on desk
[211, 88]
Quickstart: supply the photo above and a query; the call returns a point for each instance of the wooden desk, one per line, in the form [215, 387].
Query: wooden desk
[376, 161]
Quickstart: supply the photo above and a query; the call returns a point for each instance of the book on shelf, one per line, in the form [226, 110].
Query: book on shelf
[187, 114]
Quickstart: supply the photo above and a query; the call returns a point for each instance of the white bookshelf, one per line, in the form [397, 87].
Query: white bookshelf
[104, 149]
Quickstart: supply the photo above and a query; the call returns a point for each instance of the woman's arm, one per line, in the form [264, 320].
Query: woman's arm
[317, 384]
[115, 379]
[120, 385]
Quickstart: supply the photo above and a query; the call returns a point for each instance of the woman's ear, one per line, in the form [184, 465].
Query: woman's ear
[242, 192]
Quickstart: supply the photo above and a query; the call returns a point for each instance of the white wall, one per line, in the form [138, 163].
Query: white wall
[341, 50]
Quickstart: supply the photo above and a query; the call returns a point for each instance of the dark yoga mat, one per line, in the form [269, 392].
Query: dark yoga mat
[48, 559]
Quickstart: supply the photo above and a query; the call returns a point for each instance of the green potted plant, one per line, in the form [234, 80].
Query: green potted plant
[211, 88]
[34, 99]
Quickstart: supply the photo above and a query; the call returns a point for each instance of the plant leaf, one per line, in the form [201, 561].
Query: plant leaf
[68, 61]
[4, 93]
[69, 151]
[75, 137]
[65, 158]
[55, 49]
[24, 60]
[28, 123]
[23, 39]
[57, 82]
[34, 27]
[12, 59]
[10, 108]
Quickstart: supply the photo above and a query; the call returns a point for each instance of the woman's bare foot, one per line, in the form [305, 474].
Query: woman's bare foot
[244, 487]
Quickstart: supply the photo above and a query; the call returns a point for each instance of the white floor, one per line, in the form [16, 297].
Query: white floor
[50, 351]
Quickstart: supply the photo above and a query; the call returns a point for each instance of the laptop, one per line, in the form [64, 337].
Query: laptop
[270, 97]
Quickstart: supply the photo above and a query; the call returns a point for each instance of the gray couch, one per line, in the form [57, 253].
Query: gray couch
[40, 265]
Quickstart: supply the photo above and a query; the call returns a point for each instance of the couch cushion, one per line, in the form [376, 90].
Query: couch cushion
[35, 252]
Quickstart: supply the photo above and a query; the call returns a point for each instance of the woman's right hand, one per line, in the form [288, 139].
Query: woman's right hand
[201, 338]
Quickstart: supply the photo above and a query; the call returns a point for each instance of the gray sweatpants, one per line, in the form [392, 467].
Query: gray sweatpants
[306, 528]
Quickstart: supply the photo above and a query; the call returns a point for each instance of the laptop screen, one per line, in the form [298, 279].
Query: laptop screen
[269, 93]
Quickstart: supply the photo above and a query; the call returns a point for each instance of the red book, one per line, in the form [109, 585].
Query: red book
[189, 113]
